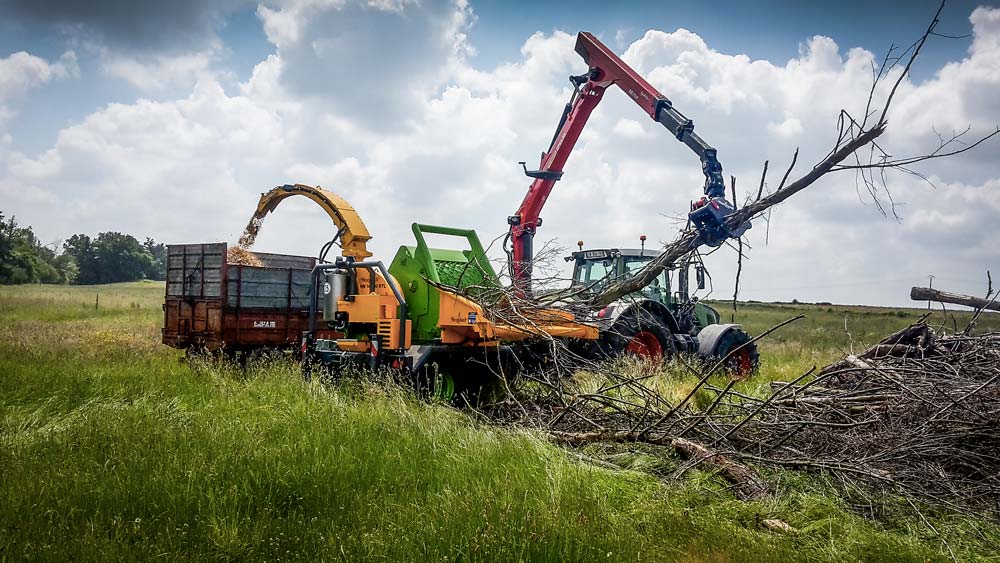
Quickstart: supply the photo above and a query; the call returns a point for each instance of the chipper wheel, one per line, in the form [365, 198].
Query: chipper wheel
[641, 335]
[443, 387]
[436, 382]
[458, 383]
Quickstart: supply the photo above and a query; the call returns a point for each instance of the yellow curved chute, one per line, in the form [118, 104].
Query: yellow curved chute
[353, 233]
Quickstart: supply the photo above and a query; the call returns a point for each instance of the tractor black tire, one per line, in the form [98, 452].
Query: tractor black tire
[640, 334]
[745, 361]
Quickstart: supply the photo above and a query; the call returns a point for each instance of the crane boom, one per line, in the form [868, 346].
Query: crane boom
[606, 68]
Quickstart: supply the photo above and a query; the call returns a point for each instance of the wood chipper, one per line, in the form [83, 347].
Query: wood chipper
[422, 315]
[412, 317]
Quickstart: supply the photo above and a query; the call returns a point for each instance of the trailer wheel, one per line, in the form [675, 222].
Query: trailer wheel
[641, 335]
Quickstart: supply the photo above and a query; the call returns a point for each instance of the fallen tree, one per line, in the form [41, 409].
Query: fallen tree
[930, 294]
[856, 140]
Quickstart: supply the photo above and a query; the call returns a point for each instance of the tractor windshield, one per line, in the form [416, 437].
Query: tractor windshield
[634, 263]
[658, 289]
[596, 273]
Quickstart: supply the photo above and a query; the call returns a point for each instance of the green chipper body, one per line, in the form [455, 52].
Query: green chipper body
[418, 268]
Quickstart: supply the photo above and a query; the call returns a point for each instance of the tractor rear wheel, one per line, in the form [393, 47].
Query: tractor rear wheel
[641, 335]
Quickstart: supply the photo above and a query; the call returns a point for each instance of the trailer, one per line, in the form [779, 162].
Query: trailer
[213, 305]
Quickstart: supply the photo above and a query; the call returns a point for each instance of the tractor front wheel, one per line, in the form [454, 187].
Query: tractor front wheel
[743, 357]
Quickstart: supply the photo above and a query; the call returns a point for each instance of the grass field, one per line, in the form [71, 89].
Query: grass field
[113, 448]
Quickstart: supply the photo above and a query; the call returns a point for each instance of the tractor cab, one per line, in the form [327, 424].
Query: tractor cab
[594, 269]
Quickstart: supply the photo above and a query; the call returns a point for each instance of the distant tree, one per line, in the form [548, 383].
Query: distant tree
[158, 251]
[111, 257]
[8, 241]
[23, 259]
[17, 265]
[81, 249]
[120, 257]
[66, 266]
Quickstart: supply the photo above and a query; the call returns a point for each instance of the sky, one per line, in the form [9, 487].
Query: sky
[168, 119]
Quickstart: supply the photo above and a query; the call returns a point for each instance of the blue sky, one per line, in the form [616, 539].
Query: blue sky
[166, 119]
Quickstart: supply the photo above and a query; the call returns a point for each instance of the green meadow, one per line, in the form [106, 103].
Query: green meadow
[115, 447]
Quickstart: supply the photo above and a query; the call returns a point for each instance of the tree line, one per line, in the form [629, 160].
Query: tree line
[107, 258]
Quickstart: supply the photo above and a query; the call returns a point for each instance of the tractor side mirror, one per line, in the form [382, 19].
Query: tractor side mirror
[699, 272]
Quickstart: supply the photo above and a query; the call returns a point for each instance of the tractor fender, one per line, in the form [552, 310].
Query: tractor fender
[709, 337]
[619, 309]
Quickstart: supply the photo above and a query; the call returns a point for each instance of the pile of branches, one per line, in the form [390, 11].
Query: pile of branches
[917, 414]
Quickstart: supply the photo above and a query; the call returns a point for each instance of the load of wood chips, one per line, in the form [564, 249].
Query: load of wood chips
[240, 254]
[242, 257]
[251, 231]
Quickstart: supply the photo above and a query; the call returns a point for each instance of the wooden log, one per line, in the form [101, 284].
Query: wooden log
[748, 485]
[781, 526]
[581, 438]
[930, 294]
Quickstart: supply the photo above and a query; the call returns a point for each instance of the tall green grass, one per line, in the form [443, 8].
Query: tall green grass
[114, 448]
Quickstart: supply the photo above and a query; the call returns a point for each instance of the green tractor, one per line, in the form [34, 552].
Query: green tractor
[657, 321]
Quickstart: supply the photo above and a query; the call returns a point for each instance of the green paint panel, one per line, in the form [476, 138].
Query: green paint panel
[414, 266]
[706, 315]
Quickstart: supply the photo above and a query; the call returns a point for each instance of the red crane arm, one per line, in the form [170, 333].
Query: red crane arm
[524, 223]
[606, 68]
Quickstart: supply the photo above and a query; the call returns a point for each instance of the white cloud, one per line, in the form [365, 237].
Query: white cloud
[786, 129]
[153, 167]
[156, 74]
[378, 102]
[22, 71]
[374, 62]
[962, 94]
[631, 129]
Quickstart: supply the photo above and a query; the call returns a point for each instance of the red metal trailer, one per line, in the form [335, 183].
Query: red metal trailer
[213, 305]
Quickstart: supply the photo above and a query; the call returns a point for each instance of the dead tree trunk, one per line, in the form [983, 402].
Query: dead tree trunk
[930, 294]
[854, 135]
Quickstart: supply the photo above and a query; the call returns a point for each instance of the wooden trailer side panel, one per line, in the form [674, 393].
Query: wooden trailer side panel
[192, 308]
[211, 304]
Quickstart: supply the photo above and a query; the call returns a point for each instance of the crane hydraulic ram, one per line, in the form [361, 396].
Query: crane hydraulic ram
[707, 215]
